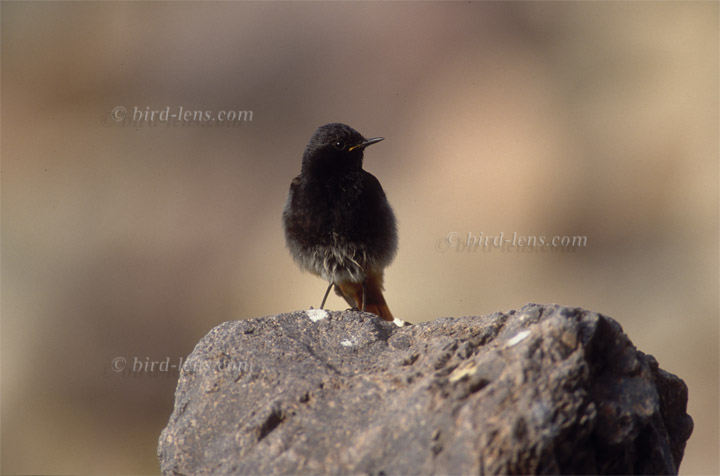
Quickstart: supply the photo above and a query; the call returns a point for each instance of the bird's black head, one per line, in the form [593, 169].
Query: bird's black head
[335, 150]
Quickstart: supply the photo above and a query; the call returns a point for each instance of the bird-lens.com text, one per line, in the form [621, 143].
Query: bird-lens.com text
[469, 242]
[139, 116]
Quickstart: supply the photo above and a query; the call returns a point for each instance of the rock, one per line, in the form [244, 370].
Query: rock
[546, 389]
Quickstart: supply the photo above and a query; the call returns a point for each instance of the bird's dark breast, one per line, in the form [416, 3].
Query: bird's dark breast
[340, 229]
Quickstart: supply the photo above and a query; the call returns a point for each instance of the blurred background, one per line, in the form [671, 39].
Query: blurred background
[125, 241]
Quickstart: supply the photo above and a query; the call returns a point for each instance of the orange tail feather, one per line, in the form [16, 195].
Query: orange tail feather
[374, 299]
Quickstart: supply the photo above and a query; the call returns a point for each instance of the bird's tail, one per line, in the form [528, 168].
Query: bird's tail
[374, 299]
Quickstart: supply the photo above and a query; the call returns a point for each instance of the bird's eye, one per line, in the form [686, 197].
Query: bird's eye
[339, 145]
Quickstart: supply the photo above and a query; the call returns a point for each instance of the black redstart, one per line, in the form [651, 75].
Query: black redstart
[338, 223]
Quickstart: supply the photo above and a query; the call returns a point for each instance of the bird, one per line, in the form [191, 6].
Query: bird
[337, 220]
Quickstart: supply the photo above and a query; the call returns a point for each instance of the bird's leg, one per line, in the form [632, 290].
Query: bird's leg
[326, 295]
[363, 297]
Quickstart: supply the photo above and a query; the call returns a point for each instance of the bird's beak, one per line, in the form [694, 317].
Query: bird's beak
[366, 143]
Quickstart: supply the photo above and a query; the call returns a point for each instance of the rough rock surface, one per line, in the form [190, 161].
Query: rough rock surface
[542, 390]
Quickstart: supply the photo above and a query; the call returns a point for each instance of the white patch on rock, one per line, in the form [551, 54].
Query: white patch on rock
[399, 322]
[316, 314]
[347, 343]
[519, 337]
